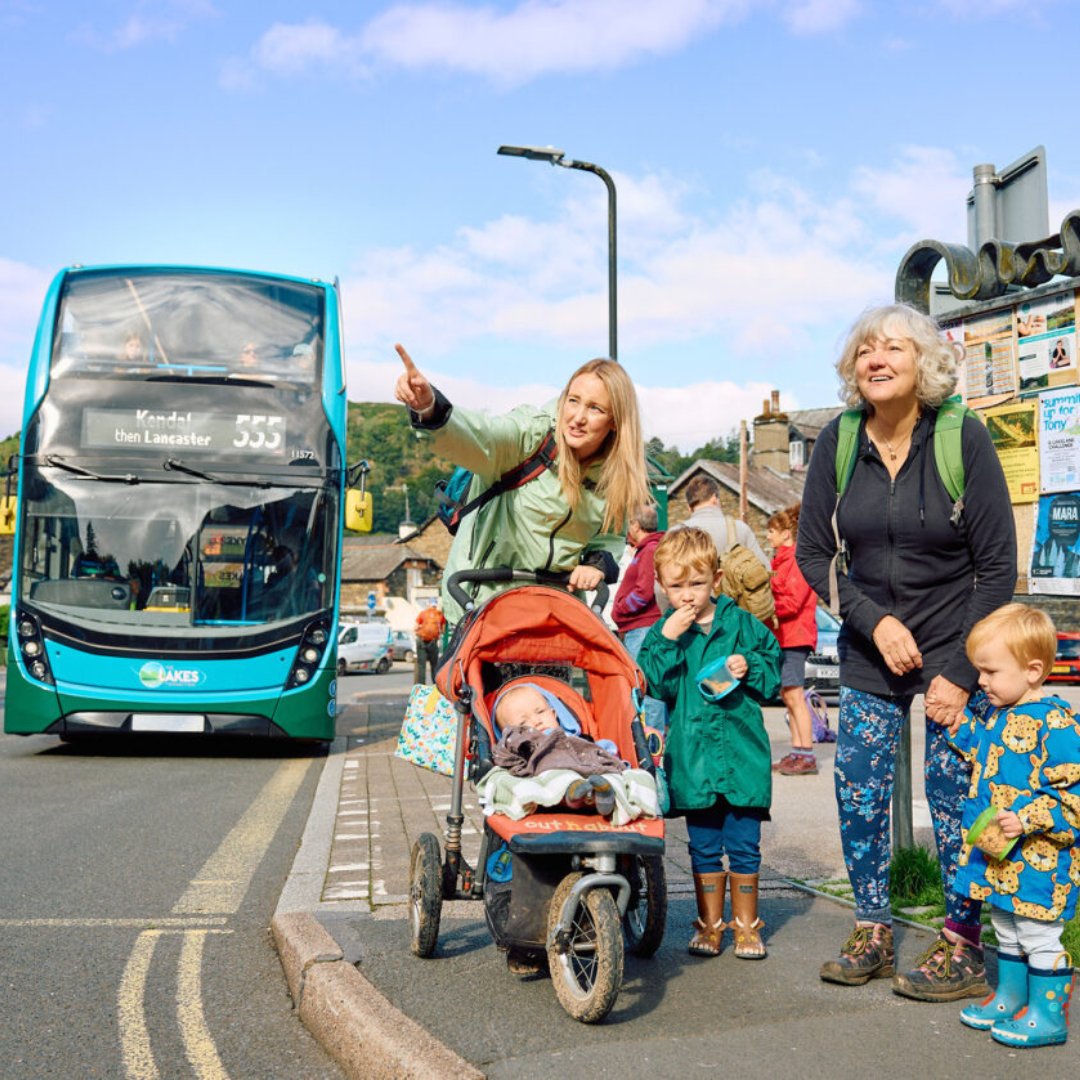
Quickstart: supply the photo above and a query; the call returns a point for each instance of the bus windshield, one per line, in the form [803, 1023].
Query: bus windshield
[188, 325]
[153, 554]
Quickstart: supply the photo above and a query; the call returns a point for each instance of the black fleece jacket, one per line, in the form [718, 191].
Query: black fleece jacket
[906, 558]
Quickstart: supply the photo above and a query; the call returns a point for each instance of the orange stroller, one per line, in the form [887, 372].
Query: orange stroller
[560, 885]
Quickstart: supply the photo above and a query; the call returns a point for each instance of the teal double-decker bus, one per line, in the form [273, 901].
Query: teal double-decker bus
[182, 490]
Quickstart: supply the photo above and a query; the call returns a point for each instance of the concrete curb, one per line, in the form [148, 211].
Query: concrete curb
[361, 1030]
[366, 1035]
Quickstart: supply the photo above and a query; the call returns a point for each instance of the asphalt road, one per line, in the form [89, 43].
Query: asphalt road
[139, 882]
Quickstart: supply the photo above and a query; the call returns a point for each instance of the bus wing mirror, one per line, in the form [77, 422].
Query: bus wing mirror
[359, 510]
[7, 515]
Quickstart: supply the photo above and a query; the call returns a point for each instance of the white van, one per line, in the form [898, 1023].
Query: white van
[364, 647]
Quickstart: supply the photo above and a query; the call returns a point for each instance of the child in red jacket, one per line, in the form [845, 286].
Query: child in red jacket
[797, 632]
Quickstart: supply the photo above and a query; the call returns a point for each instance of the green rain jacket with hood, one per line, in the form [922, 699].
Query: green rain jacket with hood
[527, 528]
[715, 747]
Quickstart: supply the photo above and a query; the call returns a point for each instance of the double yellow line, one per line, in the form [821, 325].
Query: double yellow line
[217, 890]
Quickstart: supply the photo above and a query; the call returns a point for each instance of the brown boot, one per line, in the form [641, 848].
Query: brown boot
[709, 926]
[867, 954]
[744, 917]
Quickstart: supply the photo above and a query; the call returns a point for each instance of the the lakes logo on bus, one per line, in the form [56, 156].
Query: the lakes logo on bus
[154, 674]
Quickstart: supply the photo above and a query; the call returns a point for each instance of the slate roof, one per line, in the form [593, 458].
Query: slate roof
[766, 489]
[375, 559]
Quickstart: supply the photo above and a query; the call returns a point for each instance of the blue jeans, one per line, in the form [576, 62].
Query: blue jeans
[870, 729]
[656, 712]
[722, 830]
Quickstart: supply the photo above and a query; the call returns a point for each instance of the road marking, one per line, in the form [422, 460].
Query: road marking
[134, 1037]
[143, 923]
[217, 889]
[222, 882]
[198, 1043]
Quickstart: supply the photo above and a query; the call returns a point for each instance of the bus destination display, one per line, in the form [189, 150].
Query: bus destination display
[175, 429]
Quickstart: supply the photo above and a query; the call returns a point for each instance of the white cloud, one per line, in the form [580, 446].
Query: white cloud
[22, 290]
[819, 16]
[541, 36]
[926, 190]
[151, 20]
[290, 49]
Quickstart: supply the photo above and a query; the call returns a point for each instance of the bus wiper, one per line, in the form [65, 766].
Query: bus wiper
[176, 465]
[78, 470]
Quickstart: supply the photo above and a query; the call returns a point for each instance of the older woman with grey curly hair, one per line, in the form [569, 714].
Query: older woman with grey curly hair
[908, 596]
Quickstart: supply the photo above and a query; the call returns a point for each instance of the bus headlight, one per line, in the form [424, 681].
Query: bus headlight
[310, 653]
[32, 645]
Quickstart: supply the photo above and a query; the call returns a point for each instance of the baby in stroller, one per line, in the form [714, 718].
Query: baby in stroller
[533, 740]
[542, 760]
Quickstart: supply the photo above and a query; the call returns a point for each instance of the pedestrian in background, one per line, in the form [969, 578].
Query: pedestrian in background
[635, 608]
[429, 627]
[796, 630]
[920, 571]
[703, 498]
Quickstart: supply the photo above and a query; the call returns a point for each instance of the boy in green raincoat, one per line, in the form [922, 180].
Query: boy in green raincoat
[714, 665]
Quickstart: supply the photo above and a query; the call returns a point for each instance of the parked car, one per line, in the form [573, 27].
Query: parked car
[364, 647]
[823, 664]
[1067, 662]
[403, 646]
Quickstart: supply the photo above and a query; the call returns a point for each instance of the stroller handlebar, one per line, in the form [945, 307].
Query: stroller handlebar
[502, 574]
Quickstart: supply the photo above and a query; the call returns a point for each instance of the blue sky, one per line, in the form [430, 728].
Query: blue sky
[774, 159]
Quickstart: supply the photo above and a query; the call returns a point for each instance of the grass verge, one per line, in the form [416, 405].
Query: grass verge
[917, 894]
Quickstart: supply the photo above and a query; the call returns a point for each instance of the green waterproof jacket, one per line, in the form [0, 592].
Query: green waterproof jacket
[715, 747]
[528, 528]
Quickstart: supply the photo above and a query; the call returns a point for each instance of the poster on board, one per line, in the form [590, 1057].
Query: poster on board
[1059, 440]
[1046, 342]
[953, 333]
[1055, 553]
[989, 351]
[1012, 429]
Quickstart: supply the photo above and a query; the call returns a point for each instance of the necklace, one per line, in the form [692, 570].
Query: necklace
[899, 442]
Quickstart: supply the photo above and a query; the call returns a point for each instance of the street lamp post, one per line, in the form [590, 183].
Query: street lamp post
[558, 157]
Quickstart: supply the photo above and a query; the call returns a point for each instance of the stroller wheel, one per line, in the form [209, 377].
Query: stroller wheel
[587, 969]
[646, 913]
[425, 894]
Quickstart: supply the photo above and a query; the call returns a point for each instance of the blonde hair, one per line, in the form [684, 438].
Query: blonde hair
[1026, 632]
[788, 518]
[688, 548]
[624, 484]
[935, 361]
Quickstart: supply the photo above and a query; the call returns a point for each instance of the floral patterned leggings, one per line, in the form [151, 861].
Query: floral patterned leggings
[869, 736]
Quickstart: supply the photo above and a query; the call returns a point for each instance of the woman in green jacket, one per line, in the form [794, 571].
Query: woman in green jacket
[570, 519]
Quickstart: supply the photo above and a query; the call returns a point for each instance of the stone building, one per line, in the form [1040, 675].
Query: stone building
[385, 567]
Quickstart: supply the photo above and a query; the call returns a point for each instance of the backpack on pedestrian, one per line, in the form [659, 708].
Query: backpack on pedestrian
[429, 624]
[451, 494]
[746, 579]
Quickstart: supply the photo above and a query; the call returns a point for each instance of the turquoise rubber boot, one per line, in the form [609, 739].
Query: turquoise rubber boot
[1045, 1020]
[1009, 998]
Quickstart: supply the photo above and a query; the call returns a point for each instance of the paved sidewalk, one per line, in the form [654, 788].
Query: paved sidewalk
[342, 929]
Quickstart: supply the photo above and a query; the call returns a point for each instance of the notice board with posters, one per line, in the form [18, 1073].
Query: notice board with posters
[1018, 369]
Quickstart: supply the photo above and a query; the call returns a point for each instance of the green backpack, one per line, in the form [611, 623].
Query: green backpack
[948, 457]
